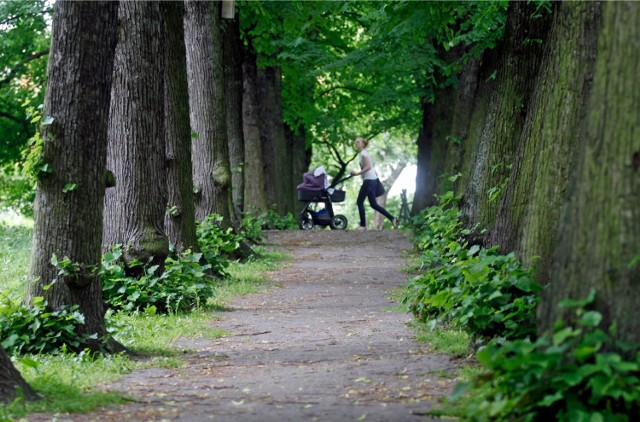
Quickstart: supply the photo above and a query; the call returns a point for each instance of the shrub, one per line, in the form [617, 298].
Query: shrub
[474, 289]
[216, 243]
[577, 372]
[181, 287]
[251, 228]
[36, 329]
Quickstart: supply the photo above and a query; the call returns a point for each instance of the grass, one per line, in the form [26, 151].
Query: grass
[67, 381]
[15, 246]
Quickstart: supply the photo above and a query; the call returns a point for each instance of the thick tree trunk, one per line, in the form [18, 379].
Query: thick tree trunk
[180, 222]
[69, 200]
[135, 207]
[599, 236]
[301, 158]
[494, 149]
[211, 172]
[528, 217]
[277, 158]
[232, 49]
[255, 198]
[12, 384]
[424, 173]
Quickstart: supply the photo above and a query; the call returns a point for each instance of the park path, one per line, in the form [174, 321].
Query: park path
[322, 344]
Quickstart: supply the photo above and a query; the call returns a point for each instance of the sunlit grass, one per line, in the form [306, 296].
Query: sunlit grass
[245, 278]
[15, 246]
[442, 338]
[133, 331]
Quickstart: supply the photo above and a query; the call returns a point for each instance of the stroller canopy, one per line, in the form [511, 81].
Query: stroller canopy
[314, 180]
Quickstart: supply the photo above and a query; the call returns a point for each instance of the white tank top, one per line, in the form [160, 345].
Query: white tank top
[371, 173]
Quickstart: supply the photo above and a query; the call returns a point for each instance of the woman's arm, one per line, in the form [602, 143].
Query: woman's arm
[366, 168]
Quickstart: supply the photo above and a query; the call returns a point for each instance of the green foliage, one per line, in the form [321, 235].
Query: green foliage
[576, 372]
[251, 228]
[17, 189]
[183, 286]
[37, 329]
[24, 43]
[474, 289]
[216, 242]
[271, 220]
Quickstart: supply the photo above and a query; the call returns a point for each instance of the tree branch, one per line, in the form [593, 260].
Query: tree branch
[346, 88]
[19, 66]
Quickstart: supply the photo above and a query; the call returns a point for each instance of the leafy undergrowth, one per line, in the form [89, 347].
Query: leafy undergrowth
[577, 371]
[67, 381]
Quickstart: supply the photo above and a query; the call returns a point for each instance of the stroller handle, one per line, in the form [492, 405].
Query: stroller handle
[336, 182]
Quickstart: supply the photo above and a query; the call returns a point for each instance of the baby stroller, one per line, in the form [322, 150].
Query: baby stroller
[314, 190]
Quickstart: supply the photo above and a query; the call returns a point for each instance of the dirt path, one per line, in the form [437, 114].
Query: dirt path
[322, 345]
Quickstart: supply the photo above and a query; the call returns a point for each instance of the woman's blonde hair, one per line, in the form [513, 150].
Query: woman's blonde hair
[364, 141]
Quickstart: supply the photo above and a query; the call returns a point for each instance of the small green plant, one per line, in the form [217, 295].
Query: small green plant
[36, 329]
[251, 228]
[575, 372]
[183, 286]
[216, 243]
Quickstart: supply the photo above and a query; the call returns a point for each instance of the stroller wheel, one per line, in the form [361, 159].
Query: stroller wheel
[306, 223]
[339, 222]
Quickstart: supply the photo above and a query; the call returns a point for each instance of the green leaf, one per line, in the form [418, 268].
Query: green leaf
[47, 121]
[69, 187]
[591, 318]
[29, 363]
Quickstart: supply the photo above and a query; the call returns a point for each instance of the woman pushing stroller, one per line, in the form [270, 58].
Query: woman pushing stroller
[369, 185]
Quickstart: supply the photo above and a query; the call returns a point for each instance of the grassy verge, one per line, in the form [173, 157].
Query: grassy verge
[68, 381]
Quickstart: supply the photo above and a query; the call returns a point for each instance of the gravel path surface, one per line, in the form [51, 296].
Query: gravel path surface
[322, 344]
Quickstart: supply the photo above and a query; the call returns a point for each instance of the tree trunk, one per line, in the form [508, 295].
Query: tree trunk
[180, 222]
[12, 385]
[277, 158]
[211, 172]
[232, 49]
[255, 199]
[70, 196]
[424, 173]
[135, 207]
[528, 217]
[301, 158]
[504, 119]
[599, 235]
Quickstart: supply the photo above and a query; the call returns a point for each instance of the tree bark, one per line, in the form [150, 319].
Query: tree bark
[232, 51]
[69, 200]
[515, 75]
[300, 155]
[424, 175]
[599, 235]
[277, 158]
[12, 384]
[255, 199]
[211, 172]
[529, 214]
[180, 222]
[135, 207]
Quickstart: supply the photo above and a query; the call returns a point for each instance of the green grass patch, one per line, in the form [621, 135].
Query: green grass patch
[133, 331]
[442, 338]
[245, 278]
[15, 246]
